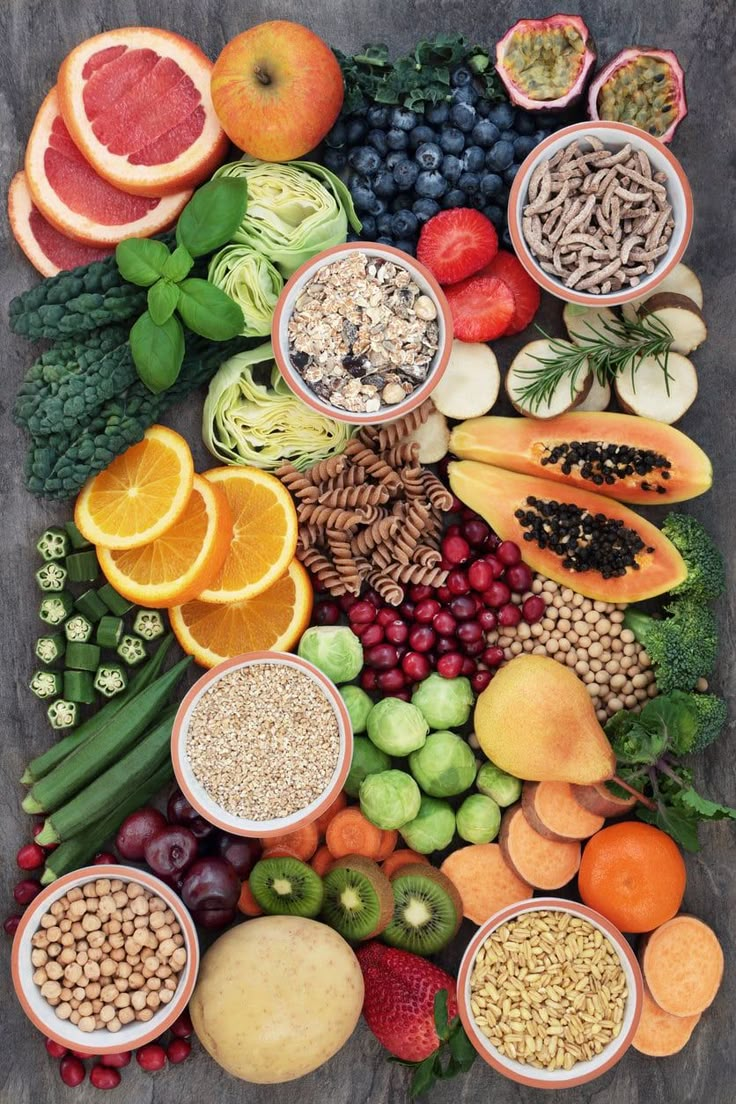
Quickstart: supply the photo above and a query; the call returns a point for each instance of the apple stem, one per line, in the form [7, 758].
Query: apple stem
[635, 793]
[262, 75]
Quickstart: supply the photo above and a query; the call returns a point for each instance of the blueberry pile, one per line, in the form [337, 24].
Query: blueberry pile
[403, 167]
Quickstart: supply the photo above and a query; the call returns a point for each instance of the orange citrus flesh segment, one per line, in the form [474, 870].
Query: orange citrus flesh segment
[273, 621]
[140, 495]
[264, 533]
[174, 568]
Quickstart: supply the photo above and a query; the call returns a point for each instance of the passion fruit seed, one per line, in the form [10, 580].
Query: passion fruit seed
[545, 63]
[642, 93]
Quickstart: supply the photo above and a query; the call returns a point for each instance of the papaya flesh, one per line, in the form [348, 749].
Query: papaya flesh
[593, 544]
[625, 457]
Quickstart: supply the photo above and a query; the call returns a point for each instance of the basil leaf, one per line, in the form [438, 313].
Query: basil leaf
[141, 260]
[179, 264]
[157, 351]
[212, 215]
[440, 1014]
[162, 300]
[208, 311]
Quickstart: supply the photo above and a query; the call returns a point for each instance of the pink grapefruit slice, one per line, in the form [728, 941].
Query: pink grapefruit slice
[46, 248]
[76, 199]
[137, 103]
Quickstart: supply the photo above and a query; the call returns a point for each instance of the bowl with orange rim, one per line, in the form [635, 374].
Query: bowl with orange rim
[316, 750]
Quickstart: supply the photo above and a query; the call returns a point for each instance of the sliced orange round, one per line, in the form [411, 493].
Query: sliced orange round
[264, 533]
[173, 568]
[140, 494]
[273, 621]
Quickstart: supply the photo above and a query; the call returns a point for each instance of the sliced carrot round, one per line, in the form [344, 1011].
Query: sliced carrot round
[350, 833]
[402, 857]
[302, 842]
[321, 860]
[247, 903]
[388, 844]
[322, 821]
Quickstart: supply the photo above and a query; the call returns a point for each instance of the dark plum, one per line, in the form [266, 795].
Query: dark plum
[210, 883]
[240, 852]
[171, 851]
[180, 811]
[136, 830]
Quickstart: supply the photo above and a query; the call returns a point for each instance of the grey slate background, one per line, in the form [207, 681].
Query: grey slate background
[34, 37]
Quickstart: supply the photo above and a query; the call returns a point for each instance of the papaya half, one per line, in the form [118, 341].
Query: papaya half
[586, 541]
[628, 458]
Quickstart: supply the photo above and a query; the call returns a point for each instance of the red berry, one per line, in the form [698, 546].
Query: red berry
[406, 609]
[456, 243]
[469, 632]
[56, 1050]
[326, 613]
[104, 858]
[493, 656]
[10, 924]
[519, 577]
[468, 668]
[347, 602]
[454, 530]
[397, 631]
[457, 582]
[444, 623]
[72, 1071]
[445, 644]
[487, 619]
[386, 616]
[533, 609]
[418, 592]
[505, 266]
[369, 679]
[374, 598]
[474, 648]
[444, 594]
[476, 532]
[462, 608]
[450, 665]
[392, 680]
[25, 891]
[456, 507]
[30, 856]
[416, 666]
[362, 613]
[422, 638]
[509, 615]
[425, 610]
[508, 553]
[116, 1061]
[480, 680]
[498, 594]
[480, 575]
[178, 1050]
[372, 634]
[381, 656]
[151, 1057]
[481, 307]
[182, 1028]
[455, 549]
[497, 568]
[104, 1077]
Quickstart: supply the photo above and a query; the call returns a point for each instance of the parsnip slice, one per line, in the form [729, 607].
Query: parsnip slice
[526, 364]
[681, 280]
[682, 318]
[433, 437]
[597, 398]
[647, 394]
[587, 323]
[471, 382]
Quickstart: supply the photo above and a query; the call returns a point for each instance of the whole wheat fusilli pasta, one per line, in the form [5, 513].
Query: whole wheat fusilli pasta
[391, 591]
[369, 494]
[437, 493]
[379, 532]
[417, 573]
[322, 567]
[394, 432]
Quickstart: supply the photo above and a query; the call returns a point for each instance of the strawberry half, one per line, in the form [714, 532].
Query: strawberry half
[482, 308]
[505, 266]
[456, 243]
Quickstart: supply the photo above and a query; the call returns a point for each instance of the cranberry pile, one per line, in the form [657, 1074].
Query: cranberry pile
[443, 628]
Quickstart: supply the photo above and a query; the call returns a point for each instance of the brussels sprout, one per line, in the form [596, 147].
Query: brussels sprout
[335, 649]
[397, 727]
[445, 703]
[495, 783]
[389, 799]
[445, 766]
[358, 706]
[478, 819]
[367, 759]
[432, 828]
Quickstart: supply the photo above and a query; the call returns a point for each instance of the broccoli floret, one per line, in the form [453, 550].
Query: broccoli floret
[706, 574]
[682, 646]
[706, 715]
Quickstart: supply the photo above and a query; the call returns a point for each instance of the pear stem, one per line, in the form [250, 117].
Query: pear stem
[634, 793]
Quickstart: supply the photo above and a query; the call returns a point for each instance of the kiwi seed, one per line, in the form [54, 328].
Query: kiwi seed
[358, 899]
[286, 887]
[427, 910]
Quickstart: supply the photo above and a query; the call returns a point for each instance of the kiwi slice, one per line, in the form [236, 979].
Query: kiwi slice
[286, 887]
[358, 899]
[427, 910]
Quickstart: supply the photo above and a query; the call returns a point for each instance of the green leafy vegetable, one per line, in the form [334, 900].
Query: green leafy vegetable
[157, 351]
[141, 260]
[163, 298]
[208, 311]
[706, 573]
[251, 281]
[682, 645]
[212, 215]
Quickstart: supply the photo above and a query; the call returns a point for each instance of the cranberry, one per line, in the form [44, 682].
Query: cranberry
[326, 613]
[454, 530]
[480, 680]
[446, 564]
[476, 532]
[241, 853]
[151, 1057]
[468, 668]
[444, 623]
[81, 1055]
[171, 851]
[456, 507]
[25, 891]
[30, 857]
[445, 644]
[462, 608]
[104, 1077]
[519, 577]
[116, 1061]
[533, 609]
[509, 615]
[422, 638]
[10, 924]
[105, 858]
[372, 635]
[183, 1027]
[474, 648]
[444, 594]
[392, 680]
[317, 585]
[369, 679]
[374, 598]
[493, 656]
[508, 553]
[347, 602]
[480, 575]
[455, 549]
[382, 657]
[416, 666]
[425, 610]
[419, 592]
[178, 1051]
[56, 1050]
[498, 594]
[136, 830]
[397, 631]
[457, 582]
[497, 568]
[36, 830]
[72, 1071]
[487, 619]
[363, 613]
[406, 609]
[450, 665]
[469, 632]
[386, 616]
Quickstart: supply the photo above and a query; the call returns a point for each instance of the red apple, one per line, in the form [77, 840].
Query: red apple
[277, 90]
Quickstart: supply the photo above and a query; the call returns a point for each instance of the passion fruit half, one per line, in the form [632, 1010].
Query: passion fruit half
[545, 64]
[643, 87]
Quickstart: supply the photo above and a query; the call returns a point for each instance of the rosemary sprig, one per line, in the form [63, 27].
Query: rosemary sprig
[608, 355]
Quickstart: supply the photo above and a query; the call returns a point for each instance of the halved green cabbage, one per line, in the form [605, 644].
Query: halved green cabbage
[251, 280]
[251, 417]
[295, 209]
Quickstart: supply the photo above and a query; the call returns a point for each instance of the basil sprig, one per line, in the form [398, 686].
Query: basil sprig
[176, 300]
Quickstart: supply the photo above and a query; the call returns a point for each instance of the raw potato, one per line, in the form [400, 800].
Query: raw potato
[647, 394]
[526, 363]
[471, 382]
[544, 863]
[659, 1034]
[682, 963]
[433, 438]
[597, 399]
[276, 998]
[682, 318]
[553, 812]
[584, 323]
[484, 880]
[681, 280]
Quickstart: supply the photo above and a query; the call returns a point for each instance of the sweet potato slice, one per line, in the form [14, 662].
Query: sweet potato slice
[682, 963]
[551, 809]
[600, 800]
[544, 863]
[660, 1034]
[484, 880]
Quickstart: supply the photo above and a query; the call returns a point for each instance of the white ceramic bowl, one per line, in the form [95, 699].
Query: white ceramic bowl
[42, 1015]
[285, 307]
[582, 1072]
[615, 136]
[197, 794]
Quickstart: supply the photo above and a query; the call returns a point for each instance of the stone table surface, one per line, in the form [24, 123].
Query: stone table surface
[34, 37]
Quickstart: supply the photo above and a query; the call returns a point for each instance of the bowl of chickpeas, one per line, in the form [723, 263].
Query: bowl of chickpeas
[105, 959]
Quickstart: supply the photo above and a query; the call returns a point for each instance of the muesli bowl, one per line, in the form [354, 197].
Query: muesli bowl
[317, 689]
[431, 302]
[614, 137]
[582, 1071]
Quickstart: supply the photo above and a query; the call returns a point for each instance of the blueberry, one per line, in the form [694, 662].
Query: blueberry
[523, 146]
[403, 119]
[460, 76]
[335, 159]
[379, 206]
[469, 182]
[397, 139]
[402, 201]
[364, 159]
[510, 173]
[406, 246]
[509, 136]
[405, 173]
[437, 114]
[474, 159]
[396, 157]
[377, 140]
[466, 95]
[385, 240]
[495, 214]
[485, 133]
[425, 208]
[463, 116]
[502, 114]
[525, 123]
[483, 106]
[454, 198]
[491, 184]
[383, 223]
[428, 156]
[384, 183]
[452, 140]
[539, 136]
[404, 224]
[476, 201]
[355, 130]
[506, 238]
[336, 137]
[420, 134]
[431, 184]
[451, 168]
[352, 236]
[500, 156]
[363, 195]
[377, 116]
